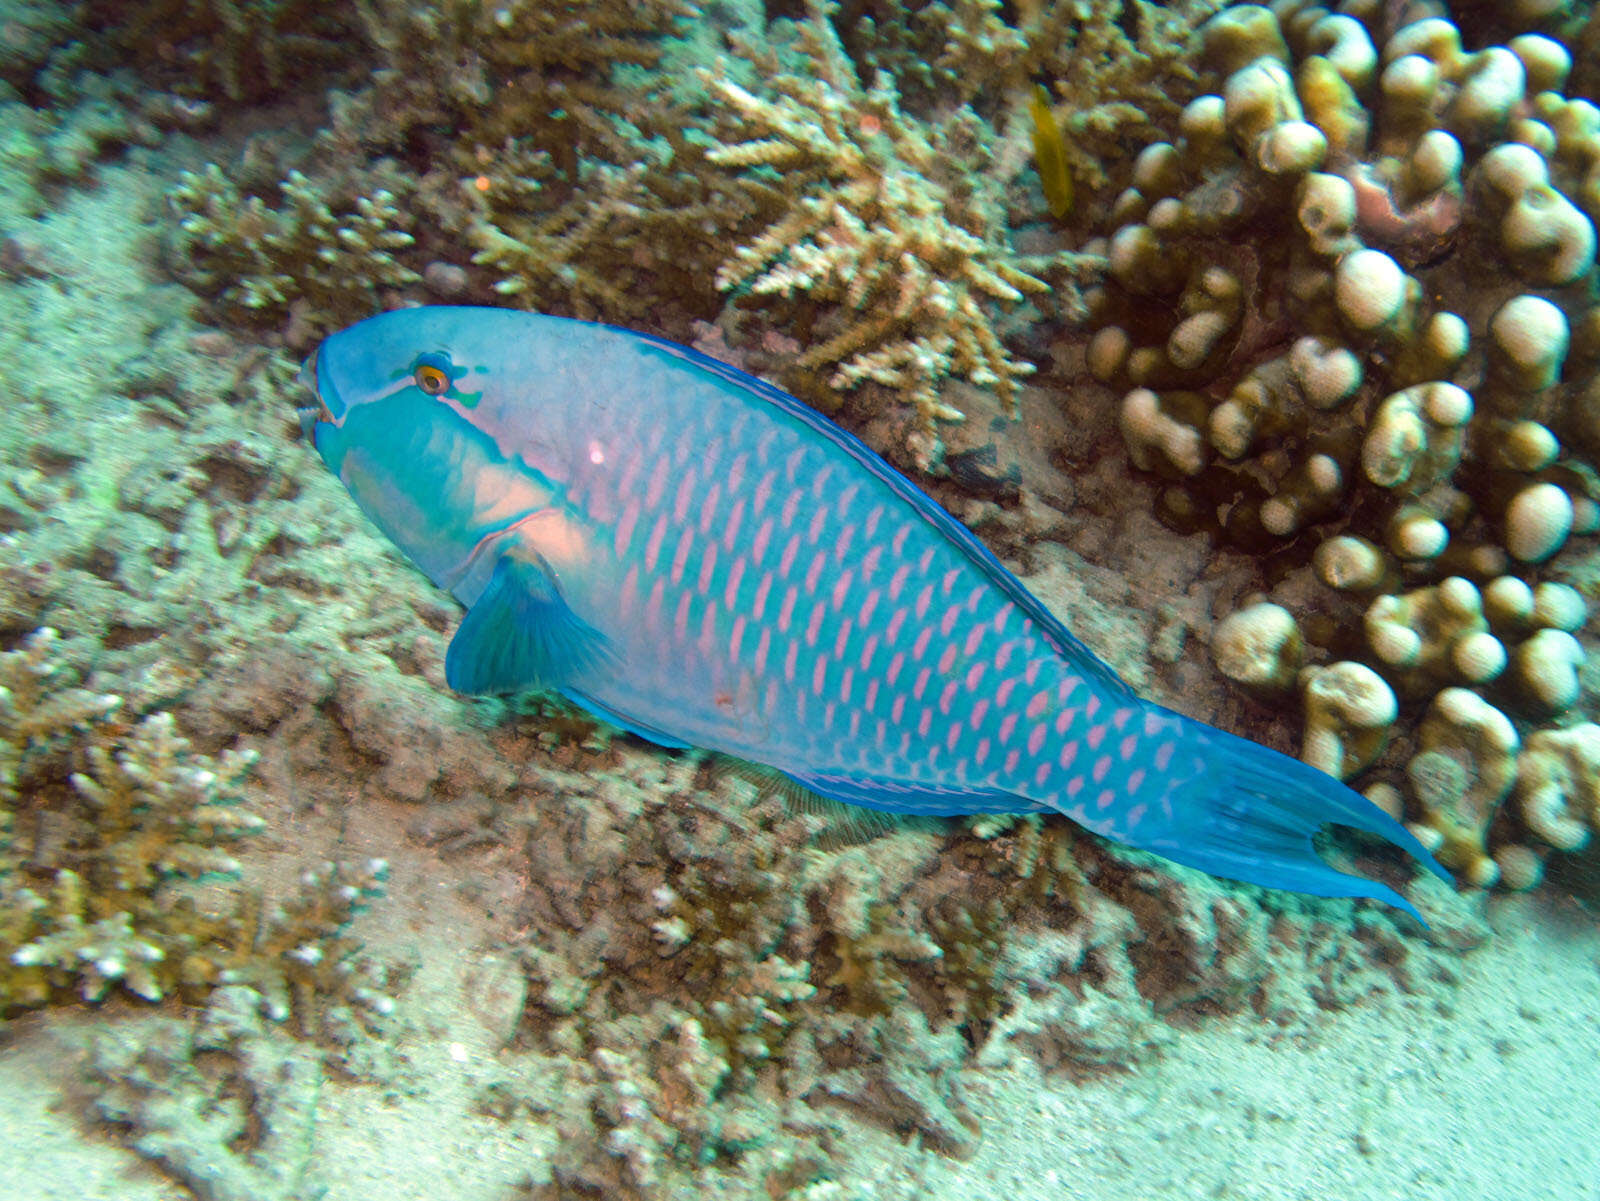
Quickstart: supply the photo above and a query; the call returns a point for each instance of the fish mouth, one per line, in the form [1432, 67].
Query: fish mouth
[311, 415]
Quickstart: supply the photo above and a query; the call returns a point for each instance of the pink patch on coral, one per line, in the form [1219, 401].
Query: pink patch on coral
[1414, 235]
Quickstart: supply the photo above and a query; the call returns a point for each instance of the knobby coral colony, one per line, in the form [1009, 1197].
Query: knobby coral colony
[1351, 305]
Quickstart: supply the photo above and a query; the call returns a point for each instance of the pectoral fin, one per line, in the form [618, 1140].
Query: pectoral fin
[521, 633]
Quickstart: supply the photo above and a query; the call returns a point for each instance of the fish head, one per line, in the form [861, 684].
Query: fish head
[433, 419]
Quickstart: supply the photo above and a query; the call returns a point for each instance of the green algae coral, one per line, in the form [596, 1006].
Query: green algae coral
[257, 262]
[104, 870]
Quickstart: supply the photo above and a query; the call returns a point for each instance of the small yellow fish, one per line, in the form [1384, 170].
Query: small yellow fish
[1050, 155]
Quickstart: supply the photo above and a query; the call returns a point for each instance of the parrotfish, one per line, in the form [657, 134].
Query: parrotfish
[698, 557]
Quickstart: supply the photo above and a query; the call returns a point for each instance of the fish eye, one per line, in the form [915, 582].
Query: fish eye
[431, 378]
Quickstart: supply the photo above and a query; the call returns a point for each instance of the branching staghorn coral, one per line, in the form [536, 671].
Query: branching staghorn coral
[1117, 69]
[561, 148]
[36, 710]
[894, 232]
[258, 262]
[518, 72]
[99, 866]
[640, 223]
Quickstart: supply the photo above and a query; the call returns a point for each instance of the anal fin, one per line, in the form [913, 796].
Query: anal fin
[927, 799]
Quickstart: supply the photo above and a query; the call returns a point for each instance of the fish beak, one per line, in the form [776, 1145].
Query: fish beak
[311, 415]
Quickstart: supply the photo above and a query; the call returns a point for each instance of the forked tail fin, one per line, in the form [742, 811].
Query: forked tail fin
[1251, 814]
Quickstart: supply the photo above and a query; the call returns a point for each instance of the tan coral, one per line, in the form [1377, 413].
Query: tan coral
[1463, 769]
[1163, 433]
[1436, 417]
[1415, 438]
[1545, 667]
[1548, 238]
[1350, 711]
[1349, 563]
[1435, 633]
[1558, 785]
[1537, 521]
[1273, 396]
[1259, 647]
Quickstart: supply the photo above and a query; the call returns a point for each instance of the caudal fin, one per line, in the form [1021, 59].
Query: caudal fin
[1252, 814]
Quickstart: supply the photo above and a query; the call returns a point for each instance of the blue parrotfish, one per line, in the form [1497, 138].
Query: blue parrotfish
[698, 557]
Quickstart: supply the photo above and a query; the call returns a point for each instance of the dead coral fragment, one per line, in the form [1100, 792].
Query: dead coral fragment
[889, 231]
[35, 711]
[257, 261]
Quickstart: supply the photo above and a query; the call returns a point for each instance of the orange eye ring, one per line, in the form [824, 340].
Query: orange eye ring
[431, 380]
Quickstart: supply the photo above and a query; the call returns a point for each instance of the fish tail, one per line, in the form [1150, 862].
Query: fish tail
[1250, 815]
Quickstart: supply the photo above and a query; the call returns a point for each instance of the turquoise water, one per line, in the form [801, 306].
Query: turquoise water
[587, 966]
